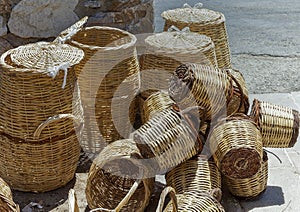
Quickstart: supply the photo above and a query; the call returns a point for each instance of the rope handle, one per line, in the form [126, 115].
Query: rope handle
[53, 71]
[176, 29]
[53, 119]
[198, 5]
[71, 31]
[171, 191]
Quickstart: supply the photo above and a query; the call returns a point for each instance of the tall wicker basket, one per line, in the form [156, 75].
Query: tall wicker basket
[279, 125]
[109, 79]
[41, 116]
[202, 21]
[118, 179]
[6, 199]
[166, 51]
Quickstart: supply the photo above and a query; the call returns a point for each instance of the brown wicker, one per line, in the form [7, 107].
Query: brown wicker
[252, 186]
[6, 199]
[279, 125]
[240, 100]
[38, 166]
[166, 51]
[72, 201]
[33, 89]
[189, 201]
[194, 84]
[155, 103]
[205, 22]
[116, 173]
[167, 139]
[108, 71]
[236, 145]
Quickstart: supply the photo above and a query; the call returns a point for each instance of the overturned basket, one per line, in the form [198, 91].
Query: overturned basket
[167, 50]
[167, 139]
[205, 22]
[236, 145]
[6, 199]
[252, 186]
[118, 179]
[279, 125]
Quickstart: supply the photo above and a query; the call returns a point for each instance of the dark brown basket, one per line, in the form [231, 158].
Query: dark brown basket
[279, 125]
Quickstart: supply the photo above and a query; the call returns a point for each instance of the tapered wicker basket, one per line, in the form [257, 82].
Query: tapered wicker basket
[252, 186]
[118, 179]
[205, 86]
[167, 139]
[205, 22]
[6, 199]
[236, 144]
[109, 71]
[167, 50]
[279, 125]
[188, 201]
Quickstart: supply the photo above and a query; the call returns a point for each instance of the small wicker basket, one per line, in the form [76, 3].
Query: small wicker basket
[114, 179]
[205, 22]
[6, 200]
[236, 144]
[167, 50]
[279, 125]
[167, 139]
[215, 175]
[188, 201]
[252, 186]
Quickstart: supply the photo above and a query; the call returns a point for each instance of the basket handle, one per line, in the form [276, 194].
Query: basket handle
[69, 32]
[52, 119]
[198, 5]
[164, 193]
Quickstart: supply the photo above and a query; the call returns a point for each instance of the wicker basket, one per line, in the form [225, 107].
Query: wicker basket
[252, 186]
[33, 90]
[240, 100]
[167, 50]
[6, 199]
[215, 175]
[72, 201]
[155, 103]
[188, 201]
[279, 125]
[167, 139]
[109, 70]
[205, 22]
[113, 180]
[194, 84]
[236, 144]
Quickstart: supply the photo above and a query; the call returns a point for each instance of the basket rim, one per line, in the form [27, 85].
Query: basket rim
[132, 37]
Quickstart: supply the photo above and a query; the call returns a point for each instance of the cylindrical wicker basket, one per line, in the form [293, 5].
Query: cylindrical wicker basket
[205, 22]
[205, 86]
[167, 139]
[236, 144]
[108, 72]
[188, 201]
[6, 200]
[37, 83]
[215, 175]
[252, 186]
[279, 125]
[166, 51]
[117, 169]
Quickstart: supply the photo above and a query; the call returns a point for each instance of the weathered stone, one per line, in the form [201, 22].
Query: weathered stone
[16, 41]
[118, 5]
[3, 28]
[4, 46]
[42, 18]
[5, 6]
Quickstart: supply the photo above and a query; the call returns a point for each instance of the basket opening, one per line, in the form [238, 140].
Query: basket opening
[101, 37]
[9, 62]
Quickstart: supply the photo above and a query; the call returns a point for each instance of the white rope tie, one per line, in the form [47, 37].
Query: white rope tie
[196, 6]
[53, 71]
[176, 29]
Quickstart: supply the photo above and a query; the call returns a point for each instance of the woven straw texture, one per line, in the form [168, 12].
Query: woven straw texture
[279, 125]
[215, 175]
[38, 166]
[205, 22]
[252, 186]
[109, 70]
[207, 87]
[32, 94]
[6, 199]
[113, 173]
[155, 103]
[237, 146]
[167, 139]
[166, 51]
[240, 99]
[189, 201]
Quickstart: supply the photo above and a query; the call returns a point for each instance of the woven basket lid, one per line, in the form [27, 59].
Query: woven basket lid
[179, 41]
[193, 15]
[45, 55]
